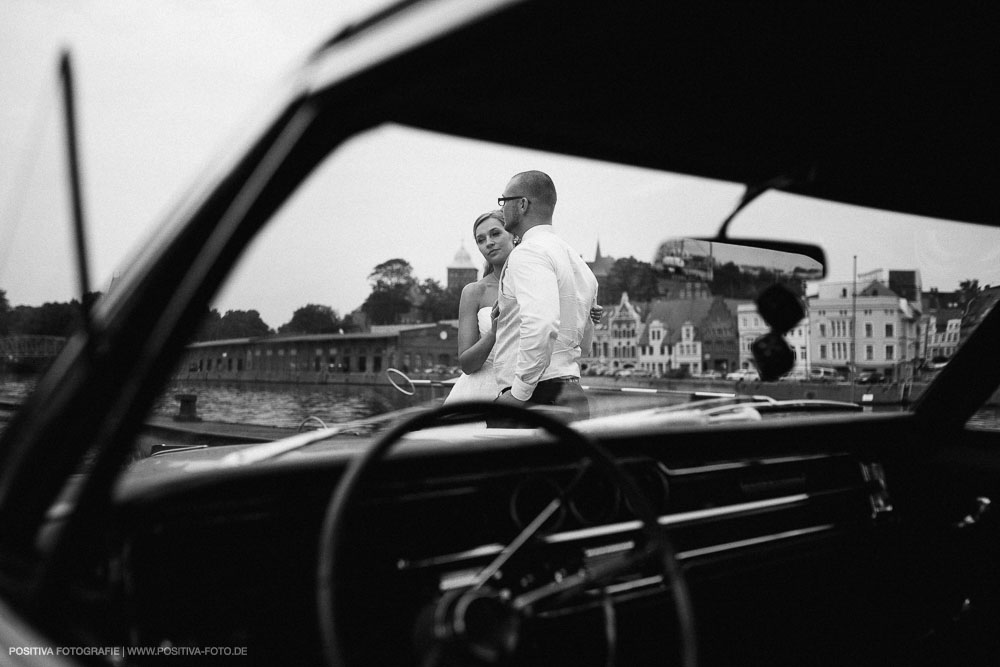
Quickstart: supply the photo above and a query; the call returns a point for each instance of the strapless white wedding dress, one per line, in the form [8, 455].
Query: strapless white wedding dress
[481, 385]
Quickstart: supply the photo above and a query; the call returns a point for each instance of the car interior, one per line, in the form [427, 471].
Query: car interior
[807, 534]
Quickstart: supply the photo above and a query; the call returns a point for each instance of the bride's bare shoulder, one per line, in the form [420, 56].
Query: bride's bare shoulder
[473, 289]
[473, 292]
[483, 292]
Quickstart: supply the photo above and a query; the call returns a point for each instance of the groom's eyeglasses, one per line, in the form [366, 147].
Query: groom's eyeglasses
[503, 200]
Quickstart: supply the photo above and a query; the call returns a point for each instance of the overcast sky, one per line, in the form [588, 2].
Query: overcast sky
[162, 83]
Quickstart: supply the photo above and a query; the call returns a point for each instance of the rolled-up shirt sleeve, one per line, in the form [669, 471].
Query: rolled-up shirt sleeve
[538, 299]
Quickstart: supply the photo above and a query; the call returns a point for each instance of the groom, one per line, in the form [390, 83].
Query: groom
[545, 296]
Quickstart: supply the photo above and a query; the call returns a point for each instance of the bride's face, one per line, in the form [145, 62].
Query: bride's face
[494, 242]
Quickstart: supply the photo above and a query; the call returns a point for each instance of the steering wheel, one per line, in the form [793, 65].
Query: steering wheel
[456, 610]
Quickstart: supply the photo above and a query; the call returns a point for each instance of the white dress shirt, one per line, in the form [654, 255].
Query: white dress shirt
[545, 296]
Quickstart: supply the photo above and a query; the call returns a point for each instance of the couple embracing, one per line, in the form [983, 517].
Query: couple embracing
[523, 326]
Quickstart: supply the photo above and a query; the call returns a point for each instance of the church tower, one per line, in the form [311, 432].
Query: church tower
[462, 270]
[601, 266]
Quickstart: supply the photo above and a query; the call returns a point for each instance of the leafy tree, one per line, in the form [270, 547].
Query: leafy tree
[349, 324]
[209, 326]
[49, 319]
[969, 290]
[630, 275]
[242, 324]
[438, 303]
[234, 324]
[392, 282]
[312, 318]
[392, 274]
[729, 281]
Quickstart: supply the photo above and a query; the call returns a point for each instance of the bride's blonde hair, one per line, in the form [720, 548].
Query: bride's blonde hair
[498, 216]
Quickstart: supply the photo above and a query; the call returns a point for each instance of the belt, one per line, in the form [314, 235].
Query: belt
[566, 379]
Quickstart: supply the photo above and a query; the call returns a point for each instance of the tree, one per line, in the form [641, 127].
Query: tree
[209, 326]
[234, 324]
[350, 324]
[969, 290]
[49, 319]
[312, 318]
[242, 324]
[439, 303]
[389, 300]
[630, 275]
[392, 274]
[729, 281]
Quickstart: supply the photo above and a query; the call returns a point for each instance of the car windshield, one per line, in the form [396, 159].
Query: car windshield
[569, 349]
[346, 307]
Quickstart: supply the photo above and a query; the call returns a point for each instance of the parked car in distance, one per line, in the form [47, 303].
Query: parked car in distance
[871, 377]
[824, 375]
[711, 375]
[745, 374]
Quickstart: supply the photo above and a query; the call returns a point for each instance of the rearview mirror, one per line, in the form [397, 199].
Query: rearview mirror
[771, 274]
[740, 268]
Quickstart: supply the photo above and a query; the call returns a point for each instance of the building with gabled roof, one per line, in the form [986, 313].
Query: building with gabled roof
[614, 340]
[696, 334]
[668, 335]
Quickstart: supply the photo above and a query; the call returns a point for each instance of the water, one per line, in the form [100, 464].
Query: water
[14, 389]
[287, 405]
[267, 404]
[274, 404]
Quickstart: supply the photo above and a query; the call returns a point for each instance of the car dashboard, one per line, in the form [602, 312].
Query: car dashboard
[799, 554]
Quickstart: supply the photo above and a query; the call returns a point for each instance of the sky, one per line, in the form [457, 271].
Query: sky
[162, 84]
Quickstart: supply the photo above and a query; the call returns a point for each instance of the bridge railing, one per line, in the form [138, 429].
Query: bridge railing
[31, 346]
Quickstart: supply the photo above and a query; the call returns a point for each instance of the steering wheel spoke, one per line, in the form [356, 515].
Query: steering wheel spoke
[482, 623]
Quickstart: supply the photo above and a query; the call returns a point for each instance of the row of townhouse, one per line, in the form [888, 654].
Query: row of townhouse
[872, 329]
[663, 336]
[875, 328]
[878, 327]
[942, 336]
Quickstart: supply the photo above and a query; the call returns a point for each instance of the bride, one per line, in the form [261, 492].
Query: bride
[477, 328]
